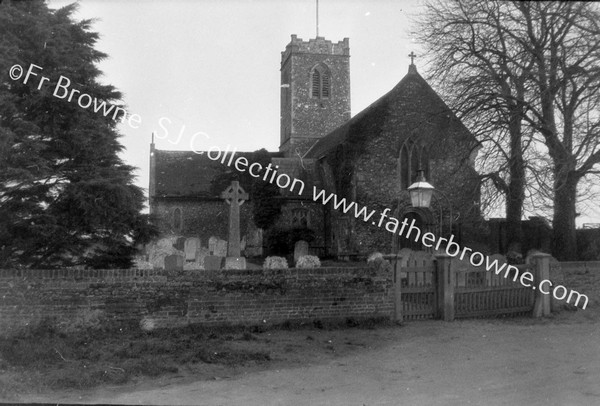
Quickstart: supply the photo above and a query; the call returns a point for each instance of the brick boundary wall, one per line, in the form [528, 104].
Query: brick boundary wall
[576, 266]
[177, 298]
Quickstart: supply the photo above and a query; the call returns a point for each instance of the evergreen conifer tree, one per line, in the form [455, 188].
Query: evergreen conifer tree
[66, 198]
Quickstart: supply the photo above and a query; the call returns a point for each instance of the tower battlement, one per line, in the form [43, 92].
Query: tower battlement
[318, 45]
[315, 91]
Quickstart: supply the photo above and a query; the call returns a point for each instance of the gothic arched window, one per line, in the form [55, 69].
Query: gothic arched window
[320, 82]
[300, 218]
[413, 158]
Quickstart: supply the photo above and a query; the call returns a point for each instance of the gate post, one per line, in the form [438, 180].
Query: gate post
[541, 304]
[445, 286]
[396, 262]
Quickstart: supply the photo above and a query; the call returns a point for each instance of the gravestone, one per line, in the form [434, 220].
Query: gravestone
[300, 249]
[158, 261]
[212, 263]
[159, 251]
[166, 243]
[191, 246]
[179, 243]
[201, 253]
[212, 244]
[234, 196]
[149, 250]
[140, 263]
[174, 263]
[221, 248]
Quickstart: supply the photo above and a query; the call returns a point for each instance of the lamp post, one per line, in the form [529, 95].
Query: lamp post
[420, 192]
[420, 196]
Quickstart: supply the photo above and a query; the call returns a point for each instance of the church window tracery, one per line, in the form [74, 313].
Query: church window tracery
[413, 158]
[300, 218]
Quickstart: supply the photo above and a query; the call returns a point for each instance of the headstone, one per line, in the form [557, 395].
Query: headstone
[191, 246]
[158, 261]
[166, 243]
[234, 196]
[140, 263]
[212, 244]
[212, 263]
[201, 253]
[300, 249]
[163, 247]
[179, 243]
[174, 263]
[148, 250]
[221, 248]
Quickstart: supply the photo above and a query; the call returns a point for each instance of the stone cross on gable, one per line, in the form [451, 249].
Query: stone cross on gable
[412, 56]
[235, 196]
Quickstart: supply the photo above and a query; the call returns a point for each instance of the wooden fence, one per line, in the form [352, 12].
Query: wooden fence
[480, 293]
[428, 286]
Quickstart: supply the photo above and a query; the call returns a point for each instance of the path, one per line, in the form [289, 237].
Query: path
[424, 363]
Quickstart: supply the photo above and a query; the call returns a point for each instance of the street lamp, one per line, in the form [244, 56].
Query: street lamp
[420, 196]
[421, 192]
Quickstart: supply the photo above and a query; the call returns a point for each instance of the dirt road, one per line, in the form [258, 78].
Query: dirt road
[475, 362]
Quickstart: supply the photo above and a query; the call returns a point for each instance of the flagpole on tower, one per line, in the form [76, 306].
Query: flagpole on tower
[317, 18]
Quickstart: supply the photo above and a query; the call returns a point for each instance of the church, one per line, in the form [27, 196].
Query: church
[371, 159]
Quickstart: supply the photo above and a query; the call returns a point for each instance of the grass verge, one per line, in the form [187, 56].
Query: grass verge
[45, 358]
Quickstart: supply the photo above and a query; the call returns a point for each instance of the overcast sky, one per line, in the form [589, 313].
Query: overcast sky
[213, 66]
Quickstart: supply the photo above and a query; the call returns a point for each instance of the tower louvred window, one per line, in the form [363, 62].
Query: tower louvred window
[325, 86]
[321, 82]
[316, 83]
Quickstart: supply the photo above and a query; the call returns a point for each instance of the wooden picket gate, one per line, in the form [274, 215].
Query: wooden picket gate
[427, 287]
[479, 293]
[417, 298]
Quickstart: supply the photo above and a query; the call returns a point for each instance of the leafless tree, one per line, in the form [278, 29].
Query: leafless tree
[525, 77]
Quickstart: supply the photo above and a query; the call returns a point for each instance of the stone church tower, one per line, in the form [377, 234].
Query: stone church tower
[315, 92]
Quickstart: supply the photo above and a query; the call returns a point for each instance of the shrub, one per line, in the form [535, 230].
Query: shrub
[275, 263]
[378, 262]
[514, 258]
[308, 261]
[374, 257]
